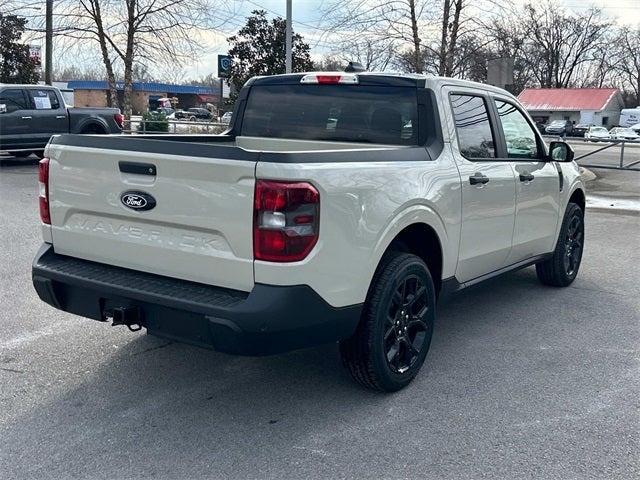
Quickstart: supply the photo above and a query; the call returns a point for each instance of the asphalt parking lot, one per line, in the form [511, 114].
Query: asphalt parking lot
[522, 381]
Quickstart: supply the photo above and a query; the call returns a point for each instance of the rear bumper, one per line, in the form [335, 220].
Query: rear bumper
[269, 319]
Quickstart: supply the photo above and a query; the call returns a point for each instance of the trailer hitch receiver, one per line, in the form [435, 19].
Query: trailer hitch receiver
[129, 316]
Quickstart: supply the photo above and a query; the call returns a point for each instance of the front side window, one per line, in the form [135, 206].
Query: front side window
[471, 117]
[13, 99]
[520, 138]
[44, 99]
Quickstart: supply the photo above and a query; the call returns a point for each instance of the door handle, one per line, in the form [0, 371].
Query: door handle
[61, 116]
[478, 179]
[526, 177]
[26, 118]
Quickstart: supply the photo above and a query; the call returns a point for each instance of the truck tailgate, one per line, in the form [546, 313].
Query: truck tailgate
[200, 228]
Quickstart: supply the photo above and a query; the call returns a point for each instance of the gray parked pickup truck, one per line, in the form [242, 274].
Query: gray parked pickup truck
[31, 114]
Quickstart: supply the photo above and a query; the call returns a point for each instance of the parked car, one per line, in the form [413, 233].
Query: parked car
[541, 126]
[580, 129]
[31, 114]
[597, 134]
[559, 127]
[621, 133]
[168, 112]
[292, 230]
[195, 114]
[635, 128]
[629, 116]
[226, 118]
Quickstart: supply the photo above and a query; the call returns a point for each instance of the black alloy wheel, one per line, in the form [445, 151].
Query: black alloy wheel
[393, 337]
[561, 269]
[406, 327]
[573, 245]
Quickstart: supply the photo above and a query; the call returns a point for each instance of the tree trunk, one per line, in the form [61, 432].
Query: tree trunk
[453, 39]
[112, 96]
[443, 40]
[128, 58]
[416, 38]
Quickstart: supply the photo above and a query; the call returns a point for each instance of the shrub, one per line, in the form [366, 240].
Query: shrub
[154, 122]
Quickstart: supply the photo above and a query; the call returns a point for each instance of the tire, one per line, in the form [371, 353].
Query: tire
[39, 153]
[562, 268]
[193, 119]
[377, 355]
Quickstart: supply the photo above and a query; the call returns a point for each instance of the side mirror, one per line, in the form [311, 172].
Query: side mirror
[3, 108]
[561, 152]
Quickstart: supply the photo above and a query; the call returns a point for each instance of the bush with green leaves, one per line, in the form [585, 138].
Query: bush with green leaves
[153, 122]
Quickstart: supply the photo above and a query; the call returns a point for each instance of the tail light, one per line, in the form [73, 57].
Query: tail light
[119, 118]
[286, 220]
[330, 78]
[43, 190]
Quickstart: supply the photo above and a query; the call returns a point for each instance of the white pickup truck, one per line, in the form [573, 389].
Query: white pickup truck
[337, 207]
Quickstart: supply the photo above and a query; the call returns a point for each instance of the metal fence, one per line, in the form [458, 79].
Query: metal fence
[627, 157]
[142, 127]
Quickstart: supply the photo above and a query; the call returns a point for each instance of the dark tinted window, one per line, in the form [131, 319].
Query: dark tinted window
[349, 113]
[13, 99]
[44, 99]
[475, 138]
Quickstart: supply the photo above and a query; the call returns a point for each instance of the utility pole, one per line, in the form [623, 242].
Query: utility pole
[289, 40]
[48, 62]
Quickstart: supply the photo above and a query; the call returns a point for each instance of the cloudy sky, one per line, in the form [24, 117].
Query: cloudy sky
[307, 21]
[307, 16]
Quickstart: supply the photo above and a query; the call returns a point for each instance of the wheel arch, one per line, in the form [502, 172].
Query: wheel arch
[578, 197]
[91, 123]
[419, 231]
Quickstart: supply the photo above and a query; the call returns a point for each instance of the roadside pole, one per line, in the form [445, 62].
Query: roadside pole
[48, 67]
[288, 34]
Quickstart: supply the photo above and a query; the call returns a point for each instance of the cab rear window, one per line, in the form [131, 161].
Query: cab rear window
[345, 113]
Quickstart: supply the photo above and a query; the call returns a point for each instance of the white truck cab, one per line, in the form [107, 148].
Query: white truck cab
[337, 207]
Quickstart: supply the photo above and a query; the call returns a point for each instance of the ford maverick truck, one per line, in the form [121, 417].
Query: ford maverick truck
[337, 207]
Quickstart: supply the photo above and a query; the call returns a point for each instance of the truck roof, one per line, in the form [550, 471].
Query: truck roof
[432, 81]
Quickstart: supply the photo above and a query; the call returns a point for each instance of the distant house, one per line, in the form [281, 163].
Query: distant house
[592, 106]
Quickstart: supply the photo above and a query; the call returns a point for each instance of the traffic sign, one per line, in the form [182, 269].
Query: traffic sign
[224, 66]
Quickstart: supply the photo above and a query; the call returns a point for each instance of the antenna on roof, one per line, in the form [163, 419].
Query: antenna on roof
[354, 67]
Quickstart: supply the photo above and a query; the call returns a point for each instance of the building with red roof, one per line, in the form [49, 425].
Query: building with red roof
[591, 106]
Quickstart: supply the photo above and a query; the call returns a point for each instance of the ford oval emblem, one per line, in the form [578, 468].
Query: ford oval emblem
[137, 200]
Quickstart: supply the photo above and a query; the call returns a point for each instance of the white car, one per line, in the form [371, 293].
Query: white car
[292, 230]
[226, 118]
[635, 128]
[597, 134]
[621, 133]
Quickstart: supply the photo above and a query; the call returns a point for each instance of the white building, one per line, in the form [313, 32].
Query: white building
[591, 106]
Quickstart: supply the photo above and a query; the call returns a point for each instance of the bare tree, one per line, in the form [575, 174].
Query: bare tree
[627, 58]
[560, 43]
[130, 32]
[381, 26]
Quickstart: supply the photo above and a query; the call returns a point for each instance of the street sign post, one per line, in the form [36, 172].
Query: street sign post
[224, 71]
[224, 66]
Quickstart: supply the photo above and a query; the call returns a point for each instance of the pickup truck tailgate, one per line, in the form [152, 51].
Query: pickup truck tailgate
[200, 228]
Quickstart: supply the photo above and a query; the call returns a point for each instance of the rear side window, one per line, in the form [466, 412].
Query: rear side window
[471, 117]
[13, 99]
[345, 113]
[44, 99]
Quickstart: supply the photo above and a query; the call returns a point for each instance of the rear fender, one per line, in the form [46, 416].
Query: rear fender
[414, 214]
